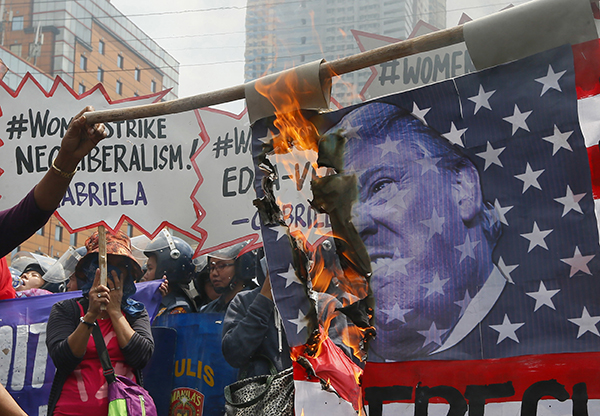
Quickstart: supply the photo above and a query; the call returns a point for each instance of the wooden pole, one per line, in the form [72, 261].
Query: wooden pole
[337, 67]
[102, 260]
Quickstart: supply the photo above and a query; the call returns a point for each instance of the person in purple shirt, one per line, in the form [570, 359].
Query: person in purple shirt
[19, 223]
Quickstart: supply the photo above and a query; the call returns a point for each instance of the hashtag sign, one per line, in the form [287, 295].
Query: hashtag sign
[392, 77]
[17, 126]
[222, 145]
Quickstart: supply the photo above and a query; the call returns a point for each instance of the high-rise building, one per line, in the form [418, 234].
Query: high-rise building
[283, 34]
[85, 42]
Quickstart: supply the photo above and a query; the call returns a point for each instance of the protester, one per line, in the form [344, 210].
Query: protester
[72, 283]
[230, 273]
[19, 223]
[79, 382]
[253, 335]
[202, 283]
[35, 279]
[170, 258]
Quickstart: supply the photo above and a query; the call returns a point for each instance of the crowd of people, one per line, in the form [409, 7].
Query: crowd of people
[210, 284]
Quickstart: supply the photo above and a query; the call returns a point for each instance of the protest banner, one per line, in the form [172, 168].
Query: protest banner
[26, 370]
[302, 219]
[398, 75]
[169, 170]
[522, 285]
[225, 192]
[412, 71]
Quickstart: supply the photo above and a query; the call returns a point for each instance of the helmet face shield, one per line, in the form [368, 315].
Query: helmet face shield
[230, 252]
[138, 246]
[53, 272]
[64, 267]
[22, 259]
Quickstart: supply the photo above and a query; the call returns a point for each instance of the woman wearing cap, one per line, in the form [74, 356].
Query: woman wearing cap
[125, 324]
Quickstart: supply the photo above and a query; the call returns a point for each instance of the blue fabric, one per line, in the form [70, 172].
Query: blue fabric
[532, 164]
[129, 306]
[200, 372]
[32, 314]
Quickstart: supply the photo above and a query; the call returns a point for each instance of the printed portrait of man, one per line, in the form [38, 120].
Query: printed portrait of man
[427, 230]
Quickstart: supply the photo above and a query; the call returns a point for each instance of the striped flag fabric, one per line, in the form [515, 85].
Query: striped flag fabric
[524, 326]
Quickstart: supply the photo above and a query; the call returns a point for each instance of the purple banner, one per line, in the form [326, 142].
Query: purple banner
[26, 370]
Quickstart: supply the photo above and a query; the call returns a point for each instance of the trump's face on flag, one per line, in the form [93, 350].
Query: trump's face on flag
[427, 231]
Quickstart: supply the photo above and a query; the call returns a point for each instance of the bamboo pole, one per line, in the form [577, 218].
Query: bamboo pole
[327, 70]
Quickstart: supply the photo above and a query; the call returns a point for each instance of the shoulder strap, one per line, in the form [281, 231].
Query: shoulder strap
[109, 371]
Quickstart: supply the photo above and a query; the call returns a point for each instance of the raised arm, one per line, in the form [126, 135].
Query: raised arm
[19, 223]
[77, 142]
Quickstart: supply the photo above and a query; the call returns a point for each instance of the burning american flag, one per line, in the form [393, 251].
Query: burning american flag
[475, 205]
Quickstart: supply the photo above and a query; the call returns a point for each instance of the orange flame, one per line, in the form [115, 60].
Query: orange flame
[296, 133]
[294, 129]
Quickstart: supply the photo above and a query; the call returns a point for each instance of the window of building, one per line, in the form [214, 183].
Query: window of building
[18, 22]
[81, 88]
[129, 230]
[83, 63]
[40, 231]
[73, 240]
[303, 40]
[119, 88]
[101, 47]
[120, 61]
[100, 75]
[58, 230]
[16, 49]
[137, 74]
[153, 86]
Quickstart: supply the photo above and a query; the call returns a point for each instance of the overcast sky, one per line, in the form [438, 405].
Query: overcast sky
[207, 37]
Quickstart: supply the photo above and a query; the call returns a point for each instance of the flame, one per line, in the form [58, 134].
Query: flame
[295, 131]
[342, 31]
[352, 337]
[296, 139]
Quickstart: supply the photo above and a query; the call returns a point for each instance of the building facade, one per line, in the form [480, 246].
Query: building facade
[53, 239]
[85, 42]
[281, 35]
